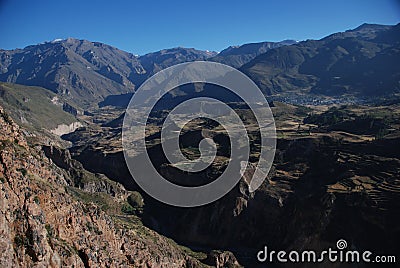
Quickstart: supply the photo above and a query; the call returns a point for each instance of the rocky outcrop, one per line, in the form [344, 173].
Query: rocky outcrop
[222, 259]
[71, 109]
[65, 129]
[43, 224]
[81, 178]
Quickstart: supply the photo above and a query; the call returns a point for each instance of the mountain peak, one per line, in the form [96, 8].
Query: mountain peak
[365, 31]
[57, 40]
[369, 26]
[237, 56]
[87, 72]
[181, 50]
[261, 47]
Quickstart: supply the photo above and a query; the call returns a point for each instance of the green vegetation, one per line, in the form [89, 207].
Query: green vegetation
[128, 209]
[353, 120]
[328, 118]
[50, 230]
[195, 254]
[23, 171]
[134, 204]
[6, 117]
[32, 107]
[21, 241]
[103, 200]
[36, 200]
[135, 199]
[302, 110]
[133, 222]
[108, 204]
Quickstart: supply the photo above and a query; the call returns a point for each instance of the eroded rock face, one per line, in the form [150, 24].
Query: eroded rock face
[65, 129]
[43, 225]
[222, 259]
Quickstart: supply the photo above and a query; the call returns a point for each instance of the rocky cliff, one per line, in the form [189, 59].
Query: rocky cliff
[45, 221]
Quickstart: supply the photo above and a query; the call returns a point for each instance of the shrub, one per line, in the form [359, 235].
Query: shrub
[128, 209]
[6, 118]
[135, 199]
[23, 171]
[49, 230]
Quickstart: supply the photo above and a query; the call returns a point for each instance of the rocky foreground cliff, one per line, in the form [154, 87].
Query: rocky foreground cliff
[49, 216]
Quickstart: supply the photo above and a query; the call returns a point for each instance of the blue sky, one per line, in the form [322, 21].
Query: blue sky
[145, 26]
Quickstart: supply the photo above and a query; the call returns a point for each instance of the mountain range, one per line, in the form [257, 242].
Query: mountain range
[68, 199]
[358, 62]
[237, 56]
[363, 61]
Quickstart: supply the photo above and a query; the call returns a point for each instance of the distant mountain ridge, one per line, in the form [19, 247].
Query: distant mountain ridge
[362, 61]
[157, 61]
[236, 56]
[86, 72]
[80, 70]
[37, 109]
